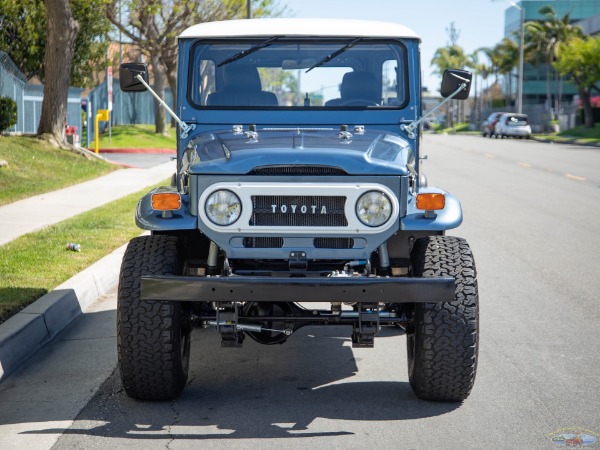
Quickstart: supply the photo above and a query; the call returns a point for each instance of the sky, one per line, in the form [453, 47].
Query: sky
[480, 22]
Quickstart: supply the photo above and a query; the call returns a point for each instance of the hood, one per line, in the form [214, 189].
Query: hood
[370, 153]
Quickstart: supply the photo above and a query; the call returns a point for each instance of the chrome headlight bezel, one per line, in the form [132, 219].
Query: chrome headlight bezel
[223, 207]
[372, 204]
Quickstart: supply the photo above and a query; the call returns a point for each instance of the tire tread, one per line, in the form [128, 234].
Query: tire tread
[446, 334]
[148, 333]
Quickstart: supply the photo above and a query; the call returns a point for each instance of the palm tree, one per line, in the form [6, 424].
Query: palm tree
[493, 64]
[451, 57]
[507, 59]
[543, 42]
[481, 69]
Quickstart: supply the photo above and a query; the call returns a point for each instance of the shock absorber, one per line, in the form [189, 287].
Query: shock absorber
[384, 260]
[211, 262]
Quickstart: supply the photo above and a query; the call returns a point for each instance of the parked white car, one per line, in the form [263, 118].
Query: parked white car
[515, 125]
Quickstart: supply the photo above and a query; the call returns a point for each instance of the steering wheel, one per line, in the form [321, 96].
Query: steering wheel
[359, 102]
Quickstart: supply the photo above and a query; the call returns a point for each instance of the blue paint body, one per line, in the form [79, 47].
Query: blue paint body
[214, 152]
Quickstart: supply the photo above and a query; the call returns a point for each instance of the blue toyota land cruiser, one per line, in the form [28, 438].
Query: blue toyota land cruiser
[298, 200]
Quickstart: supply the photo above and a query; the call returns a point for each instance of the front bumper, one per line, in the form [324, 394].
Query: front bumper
[265, 289]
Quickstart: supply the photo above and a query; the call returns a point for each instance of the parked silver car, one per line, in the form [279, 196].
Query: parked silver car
[487, 128]
[515, 125]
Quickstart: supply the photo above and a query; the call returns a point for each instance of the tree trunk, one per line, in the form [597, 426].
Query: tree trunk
[61, 32]
[586, 100]
[172, 81]
[170, 61]
[159, 87]
[556, 95]
[560, 94]
[548, 95]
[509, 90]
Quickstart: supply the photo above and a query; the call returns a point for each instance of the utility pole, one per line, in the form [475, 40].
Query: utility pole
[249, 9]
[120, 122]
[521, 49]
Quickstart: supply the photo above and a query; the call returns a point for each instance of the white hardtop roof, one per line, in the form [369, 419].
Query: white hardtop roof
[298, 28]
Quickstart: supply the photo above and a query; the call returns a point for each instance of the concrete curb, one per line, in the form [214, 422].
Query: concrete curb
[25, 333]
[580, 144]
[147, 151]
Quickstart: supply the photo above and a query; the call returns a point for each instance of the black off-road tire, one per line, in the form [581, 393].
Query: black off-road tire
[152, 336]
[442, 344]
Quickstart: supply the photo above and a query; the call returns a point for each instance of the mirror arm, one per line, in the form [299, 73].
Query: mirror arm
[410, 128]
[185, 128]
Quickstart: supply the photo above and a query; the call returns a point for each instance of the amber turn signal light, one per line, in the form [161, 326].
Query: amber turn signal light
[166, 201]
[431, 202]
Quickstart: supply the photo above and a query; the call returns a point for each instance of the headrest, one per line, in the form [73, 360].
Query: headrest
[242, 78]
[359, 85]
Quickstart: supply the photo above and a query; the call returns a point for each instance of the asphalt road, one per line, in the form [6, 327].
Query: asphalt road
[532, 218]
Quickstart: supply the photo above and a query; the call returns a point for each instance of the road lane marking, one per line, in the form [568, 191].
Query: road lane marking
[574, 177]
[522, 164]
[489, 155]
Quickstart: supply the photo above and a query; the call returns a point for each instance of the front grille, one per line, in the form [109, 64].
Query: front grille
[298, 211]
[298, 170]
[333, 243]
[263, 242]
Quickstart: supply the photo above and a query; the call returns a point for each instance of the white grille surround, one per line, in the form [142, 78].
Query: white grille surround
[352, 192]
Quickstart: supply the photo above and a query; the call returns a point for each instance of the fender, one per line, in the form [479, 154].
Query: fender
[444, 219]
[149, 219]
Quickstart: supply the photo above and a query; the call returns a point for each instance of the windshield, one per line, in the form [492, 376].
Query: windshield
[283, 73]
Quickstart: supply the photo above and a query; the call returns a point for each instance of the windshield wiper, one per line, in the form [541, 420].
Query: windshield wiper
[249, 51]
[334, 54]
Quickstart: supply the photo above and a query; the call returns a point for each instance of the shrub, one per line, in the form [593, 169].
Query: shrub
[8, 113]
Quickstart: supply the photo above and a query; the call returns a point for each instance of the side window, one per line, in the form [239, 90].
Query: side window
[207, 80]
[204, 81]
[390, 84]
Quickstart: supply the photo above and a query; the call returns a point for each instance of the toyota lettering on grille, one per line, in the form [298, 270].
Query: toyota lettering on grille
[298, 209]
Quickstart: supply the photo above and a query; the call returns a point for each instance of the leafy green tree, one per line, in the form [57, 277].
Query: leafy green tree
[23, 36]
[507, 58]
[451, 57]
[578, 58]
[153, 27]
[543, 39]
[481, 69]
[237, 9]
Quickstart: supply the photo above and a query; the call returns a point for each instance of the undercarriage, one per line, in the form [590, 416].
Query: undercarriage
[274, 322]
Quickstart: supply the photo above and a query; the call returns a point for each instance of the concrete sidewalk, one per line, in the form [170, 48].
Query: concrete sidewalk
[35, 213]
[26, 332]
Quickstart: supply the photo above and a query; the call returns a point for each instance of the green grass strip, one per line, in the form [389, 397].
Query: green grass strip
[583, 132]
[36, 263]
[577, 135]
[459, 127]
[136, 136]
[35, 167]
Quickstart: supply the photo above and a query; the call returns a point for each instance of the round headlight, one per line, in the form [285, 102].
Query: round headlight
[373, 208]
[223, 207]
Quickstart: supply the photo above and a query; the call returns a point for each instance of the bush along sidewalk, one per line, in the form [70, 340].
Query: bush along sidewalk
[8, 113]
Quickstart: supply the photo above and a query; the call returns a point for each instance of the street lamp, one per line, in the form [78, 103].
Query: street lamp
[521, 49]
